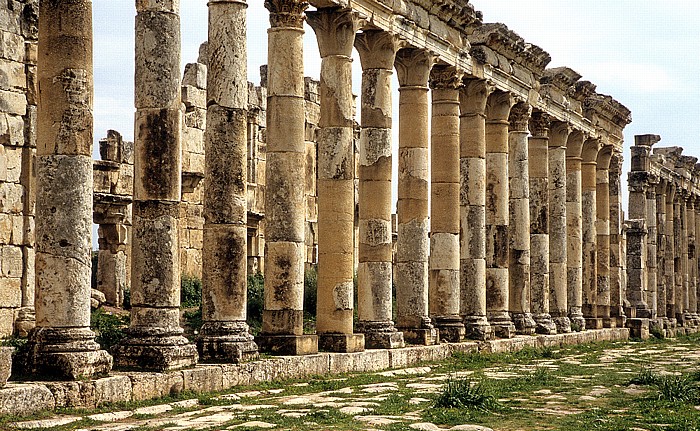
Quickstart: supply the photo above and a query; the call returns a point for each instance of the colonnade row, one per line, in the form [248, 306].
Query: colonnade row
[523, 233]
[664, 212]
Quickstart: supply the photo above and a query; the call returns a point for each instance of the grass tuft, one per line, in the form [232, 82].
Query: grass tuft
[462, 394]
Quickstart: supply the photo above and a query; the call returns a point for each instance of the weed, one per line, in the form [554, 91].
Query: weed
[15, 342]
[108, 327]
[256, 302]
[678, 389]
[657, 331]
[645, 377]
[190, 291]
[194, 319]
[460, 393]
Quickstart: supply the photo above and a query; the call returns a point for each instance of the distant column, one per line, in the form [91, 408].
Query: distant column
[678, 255]
[696, 262]
[413, 68]
[519, 223]
[602, 226]
[684, 284]
[472, 197]
[558, 300]
[62, 344]
[335, 33]
[692, 265]
[155, 340]
[377, 51]
[671, 254]
[661, 251]
[444, 293]
[652, 272]
[617, 311]
[285, 171]
[497, 112]
[538, 154]
[589, 235]
[574, 227]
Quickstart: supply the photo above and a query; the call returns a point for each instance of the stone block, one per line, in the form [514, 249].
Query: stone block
[203, 378]
[12, 102]
[194, 97]
[195, 76]
[11, 43]
[11, 163]
[11, 257]
[305, 366]
[347, 343]
[146, 386]
[12, 75]
[11, 198]
[113, 389]
[10, 292]
[406, 357]
[235, 375]
[5, 364]
[193, 140]
[369, 360]
[24, 399]
[73, 394]
[7, 322]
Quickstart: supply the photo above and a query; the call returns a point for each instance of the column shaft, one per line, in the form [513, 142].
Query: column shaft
[692, 264]
[62, 344]
[651, 293]
[602, 225]
[661, 252]
[617, 293]
[671, 254]
[685, 276]
[678, 257]
[696, 263]
[574, 227]
[589, 261]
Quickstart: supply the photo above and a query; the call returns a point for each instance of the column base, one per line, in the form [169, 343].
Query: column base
[380, 335]
[64, 353]
[227, 342]
[609, 322]
[450, 328]
[25, 321]
[502, 326]
[421, 336]
[477, 328]
[288, 345]
[563, 324]
[544, 324]
[639, 328]
[578, 322]
[620, 321]
[155, 352]
[594, 323]
[524, 323]
[341, 343]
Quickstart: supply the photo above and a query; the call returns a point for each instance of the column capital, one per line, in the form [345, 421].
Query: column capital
[646, 140]
[377, 49]
[498, 106]
[286, 13]
[443, 77]
[519, 117]
[540, 124]
[335, 30]
[559, 132]
[413, 66]
[473, 96]
[616, 162]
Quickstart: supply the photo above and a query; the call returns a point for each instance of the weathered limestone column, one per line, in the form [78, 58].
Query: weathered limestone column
[283, 314]
[661, 252]
[335, 33]
[589, 261]
[651, 293]
[62, 344]
[636, 271]
[558, 300]
[472, 201]
[678, 255]
[112, 255]
[670, 254]
[224, 335]
[696, 268]
[538, 151]
[574, 227]
[155, 340]
[377, 50]
[413, 70]
[519, 222]
[602, 226]
[617, 294]
[444, 262]
[692, 265]
[684, 196]
[497, 296]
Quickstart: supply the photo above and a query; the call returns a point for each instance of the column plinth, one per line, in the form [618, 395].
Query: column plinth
[574, 227]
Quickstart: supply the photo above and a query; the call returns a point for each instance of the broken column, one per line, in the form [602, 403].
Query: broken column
[472, 201]
[62, 344]
[538, 151]
[574, 226]
[377, 50]
[589, 261]
[519, 223]
[413, 70]
[602, 225]
[558, 300]
[224, 335]
[444, 291]
[283, 324]
[497, 112]
[335, 33]
[155, 340]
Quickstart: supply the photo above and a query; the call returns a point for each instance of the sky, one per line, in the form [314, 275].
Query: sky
[644, 53]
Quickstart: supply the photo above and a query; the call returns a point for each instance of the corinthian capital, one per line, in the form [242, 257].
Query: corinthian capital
[377, 49]
[519, 117]
[335, 31]
[473, 97]
[445, 77]
[413, 67]
[540, 124]
[286, 13]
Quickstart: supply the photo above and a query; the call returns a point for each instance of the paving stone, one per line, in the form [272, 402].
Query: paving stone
[111, 417]
[254, 424]
[47, 423]
[469, 428]
[424, 426]
[353, 410]
[377, 420]
[417, 400]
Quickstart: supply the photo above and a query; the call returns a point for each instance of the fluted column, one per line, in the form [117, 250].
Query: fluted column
[224, 334]
[444, 264]
[472, 200]
[574, 227]
[155, 339]
[497, 296]
[661, 251]
[335, 33]
[589, 261]
[617, 293]
[519, 222]
[62, 344]
[285, 170]
[538, 150]
[377, 51]
[558, 299]
[671, 254]
[412, 247]
[602, 226]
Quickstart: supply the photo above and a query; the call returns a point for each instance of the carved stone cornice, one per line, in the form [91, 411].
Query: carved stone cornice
[582, 90]
[646, 140]
[540, 124]
[609, 108]
[562, 78]
[474, 95]
[413, 67]
[456, 13]
[335, 30]
[687, 163]
[519, 117]
[670, 154]
[506, 42]
[443, 77]
[286, 13]
[377, 49]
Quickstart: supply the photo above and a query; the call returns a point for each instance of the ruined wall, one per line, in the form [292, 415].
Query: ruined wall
[18, 52]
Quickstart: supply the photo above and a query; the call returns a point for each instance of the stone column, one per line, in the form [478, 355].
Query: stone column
[684, 276]
[335, 33]
[636, 271]
[692, 265]
[62, 344]
[602, 226]
[574, 227]
[589, 261]
[155, 340]
[670, 254]
[679, 302]
[519, 222]
[444, 262]
[112, 254]
[538, 150]
[651, 298]
[413, 70]
[558, 300]
[497, 296]
[472, 197]
[285, 172]
[377, 51]
[696, 263]
[661, 251]
[224, 335]
[617, 294]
